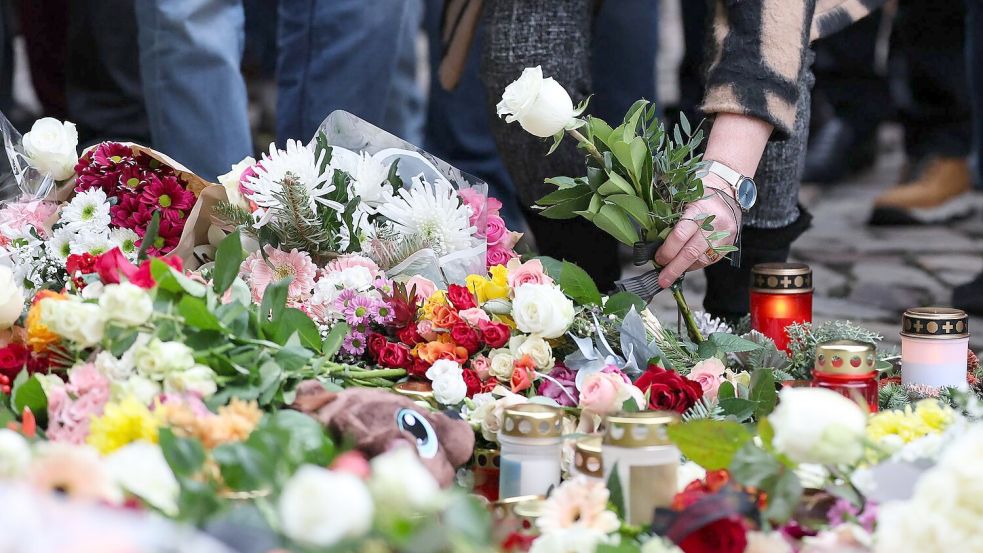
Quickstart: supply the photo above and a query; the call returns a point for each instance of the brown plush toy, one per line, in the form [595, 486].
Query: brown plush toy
[379, 420]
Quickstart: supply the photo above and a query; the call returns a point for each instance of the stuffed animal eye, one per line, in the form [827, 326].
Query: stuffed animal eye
[414, 423]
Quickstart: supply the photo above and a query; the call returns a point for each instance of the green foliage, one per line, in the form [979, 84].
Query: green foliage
[803, 339]
[704, 409]
[709, 443]
[616, 493]
[621, 303]
[754, 467]
[27, 392]
[228, 260]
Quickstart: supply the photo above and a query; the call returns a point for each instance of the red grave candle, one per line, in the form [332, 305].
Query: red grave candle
[781, 294]
[487, 465]
[848, 368]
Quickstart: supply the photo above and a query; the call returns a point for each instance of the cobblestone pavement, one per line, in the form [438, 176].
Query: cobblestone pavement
[871, 275]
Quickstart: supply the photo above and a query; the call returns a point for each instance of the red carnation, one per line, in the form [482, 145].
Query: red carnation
[376, 342]
[409, 335]
[472, 381]
[460, 297]
[495, 335]
[667, 390]
[13, 358]
[395, 356]
[84, 263]
[466, 337]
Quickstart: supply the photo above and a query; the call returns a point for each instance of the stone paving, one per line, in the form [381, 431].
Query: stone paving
[871, 275]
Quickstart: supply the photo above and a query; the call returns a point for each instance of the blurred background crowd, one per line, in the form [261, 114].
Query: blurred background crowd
[211, 81]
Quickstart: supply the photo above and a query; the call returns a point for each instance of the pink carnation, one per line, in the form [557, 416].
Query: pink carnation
[349, 261]
[709, 374]
[70, 408]
[17, 216]
[278, 265]
[530, 272]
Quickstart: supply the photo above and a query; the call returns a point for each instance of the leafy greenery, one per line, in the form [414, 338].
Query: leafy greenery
[803, 339]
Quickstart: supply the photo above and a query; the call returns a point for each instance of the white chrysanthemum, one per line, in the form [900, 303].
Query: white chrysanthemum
[60, 245]
[126, 240]
[87, 212]
[93, 243]
[370, 181]
[297, 161]
[432, 213]
[363, 230]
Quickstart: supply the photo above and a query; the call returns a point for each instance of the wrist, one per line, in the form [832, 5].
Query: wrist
[716, 182]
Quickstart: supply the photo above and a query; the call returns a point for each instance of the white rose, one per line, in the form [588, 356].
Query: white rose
[450, 388]
[442, 367]
[502, 364]
[576, 539]
[319, 507]
[126, 303]
[539, 350]
[767, 542]
[137, 386]
[157, 359]
[75, 320]
[15, 454]
[541, 106]
[230, 181]
[401, 485]
[658, 544]
[815, 425]
[51, 147]
[11, 298]
[542, 309]
[140, 468]
[198, 379]
[492, 421]
[113, 368]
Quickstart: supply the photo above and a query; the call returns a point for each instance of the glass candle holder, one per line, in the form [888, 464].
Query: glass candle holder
[486, 469]
[934, 342]
[587, 458]
[417, 390]
[781, 294]
[531, 439]
[637, 446]
[849, 368]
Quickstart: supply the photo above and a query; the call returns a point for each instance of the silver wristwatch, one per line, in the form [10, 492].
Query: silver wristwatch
[745, 191]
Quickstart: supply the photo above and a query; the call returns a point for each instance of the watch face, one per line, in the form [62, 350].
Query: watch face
[747, 193]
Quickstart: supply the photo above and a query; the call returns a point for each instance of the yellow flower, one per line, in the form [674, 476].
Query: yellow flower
[928, 417]
[506, 320]
[439, 297]
[39, 336]
[500, 275]
[476, 284]
[933, 414]
[122, 423]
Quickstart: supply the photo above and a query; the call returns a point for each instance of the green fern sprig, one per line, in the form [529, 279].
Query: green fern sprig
[703, 409]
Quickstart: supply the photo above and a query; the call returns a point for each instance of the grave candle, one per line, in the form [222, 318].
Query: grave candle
[587, 458]
[934, 342]
[530, 440]
[486, 470]
[781, 294]
[849, 368]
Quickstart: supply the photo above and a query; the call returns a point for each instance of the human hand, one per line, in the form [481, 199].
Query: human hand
[688, 246]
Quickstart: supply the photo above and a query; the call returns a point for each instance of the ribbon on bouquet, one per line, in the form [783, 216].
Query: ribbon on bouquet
[646, 285]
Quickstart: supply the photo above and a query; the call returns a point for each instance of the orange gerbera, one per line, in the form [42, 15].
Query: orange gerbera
[39, 336]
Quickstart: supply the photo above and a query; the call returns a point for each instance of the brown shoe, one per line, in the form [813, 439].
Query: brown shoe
[942, 193]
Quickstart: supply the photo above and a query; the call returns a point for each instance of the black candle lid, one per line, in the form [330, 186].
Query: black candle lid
[781, 278]
[937, 323]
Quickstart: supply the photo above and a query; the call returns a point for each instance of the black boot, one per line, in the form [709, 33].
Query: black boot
[728, 286]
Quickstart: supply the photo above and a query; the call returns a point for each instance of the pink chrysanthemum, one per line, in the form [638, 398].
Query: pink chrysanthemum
[360, 310]
[354, 343]
[278, 265]
[344, 298]
[18, 216]
[167, 196]
[168, 236]
[111, 154]
[130, 213]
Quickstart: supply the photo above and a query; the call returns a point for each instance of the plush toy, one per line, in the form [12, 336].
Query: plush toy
[379, 420]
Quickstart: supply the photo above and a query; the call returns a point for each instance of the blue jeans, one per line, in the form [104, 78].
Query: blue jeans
[190, 51]
[355, 55]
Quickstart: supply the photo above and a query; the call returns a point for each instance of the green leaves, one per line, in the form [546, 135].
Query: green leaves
[275, 299]
[614, 221]
[755, 467]
[616, 493]
[185, 456]
[228, 260]
[620, 303]
[332, 343]
[27, 392]
[708, 443]
[763, 392]
[574, 281]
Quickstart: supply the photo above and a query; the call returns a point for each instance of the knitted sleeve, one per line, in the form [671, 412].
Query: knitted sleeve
[758, 51]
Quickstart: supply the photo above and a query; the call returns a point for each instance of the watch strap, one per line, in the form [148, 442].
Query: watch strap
[731, 176]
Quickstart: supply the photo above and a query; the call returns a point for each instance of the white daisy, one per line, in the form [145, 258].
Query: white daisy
[369, 181]
[298, 162]
[432, 213]
[93, 243]
[60, 247]
[126, 240]
[88, 211]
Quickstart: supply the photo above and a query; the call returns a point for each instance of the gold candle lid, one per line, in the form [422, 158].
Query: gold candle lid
[416, 390]
[936, 323]
[487, 458]
[587, 456]
[532, 420]
[641, 429]
[505, 508]
[781, 278]
[848, 357]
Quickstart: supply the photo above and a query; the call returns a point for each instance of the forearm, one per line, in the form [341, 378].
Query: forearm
[737, 141]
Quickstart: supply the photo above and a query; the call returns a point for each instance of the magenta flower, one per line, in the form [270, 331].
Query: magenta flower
[354, 343]
[564, 389]
[167, 196]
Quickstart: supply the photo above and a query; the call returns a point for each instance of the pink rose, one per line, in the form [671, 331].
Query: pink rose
[495, 230]
[424, 287]
[498, 256]
[353, 462]
[510, 240]
[530, 272]
[479, 204]
[602, 393]
[473, 316]
[425, 329]
[709, 374]
[482, 366]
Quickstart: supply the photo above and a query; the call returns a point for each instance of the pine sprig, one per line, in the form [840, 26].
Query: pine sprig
[675, 351]
[297, 225]
[232, 215]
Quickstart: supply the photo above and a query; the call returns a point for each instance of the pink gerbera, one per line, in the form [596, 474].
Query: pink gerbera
[349, 261]
[278, 265]
[167, 196]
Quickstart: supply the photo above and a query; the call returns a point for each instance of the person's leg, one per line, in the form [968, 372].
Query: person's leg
[555, 36]
[625, 41]
[342, 54]
[45, 30]
[102, 73]
[457, 128]
[190, 52]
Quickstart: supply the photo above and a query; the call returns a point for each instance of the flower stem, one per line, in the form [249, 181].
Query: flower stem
[591, 148]
[374, 373]
[691, 327]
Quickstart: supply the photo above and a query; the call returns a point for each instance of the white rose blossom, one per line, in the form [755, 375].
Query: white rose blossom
[140, 468]
[230, 181]
[502, 364]
[448, 382]
[15, 454]
[126, 303]
[11, 298]
[402, 486]
[51, 146]
[542, 309]
[541, 106]
[320, 507]
[75, 320]
[157, 359]
[138, 386]
[815, 425]
[199, 379]
[536, 348]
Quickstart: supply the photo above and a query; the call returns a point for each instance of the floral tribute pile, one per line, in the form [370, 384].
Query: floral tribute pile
[129, 382]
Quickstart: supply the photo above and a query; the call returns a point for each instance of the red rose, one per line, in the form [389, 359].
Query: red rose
[495, 335]
[667, 390]
[409, 335]
[111, 265]
[472, 381]
[489, 385]
[418, 368]
[460, 297]
[395, 356]
[84, 264]
[376, 342]
[727, 535]
[466, 337]
[13, 358]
